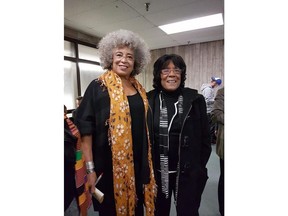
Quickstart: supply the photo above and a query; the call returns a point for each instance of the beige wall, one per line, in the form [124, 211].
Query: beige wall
[203, 60]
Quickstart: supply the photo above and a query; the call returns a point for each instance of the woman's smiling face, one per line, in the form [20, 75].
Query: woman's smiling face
[123, 61]
[170, 81]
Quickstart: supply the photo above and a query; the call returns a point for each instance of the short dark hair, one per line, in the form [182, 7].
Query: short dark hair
[162, 62]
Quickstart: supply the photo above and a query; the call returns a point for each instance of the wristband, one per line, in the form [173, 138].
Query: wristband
[89, 171]
[90, 165]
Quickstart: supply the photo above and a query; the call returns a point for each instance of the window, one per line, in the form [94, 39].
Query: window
[69, 49]
[81, 66]
[88, 53]
[88, 72]
[70, 84]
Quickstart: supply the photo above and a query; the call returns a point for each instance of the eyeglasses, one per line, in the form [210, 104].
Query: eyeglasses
[167, 71]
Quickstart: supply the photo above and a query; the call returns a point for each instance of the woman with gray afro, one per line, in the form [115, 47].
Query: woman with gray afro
[122, 38]
[112, 121]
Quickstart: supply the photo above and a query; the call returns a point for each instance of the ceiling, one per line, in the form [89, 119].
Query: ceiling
[99, 17]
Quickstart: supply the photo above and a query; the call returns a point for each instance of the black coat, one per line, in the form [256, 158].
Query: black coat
[194, 149]
[92, 119]
[92, 116]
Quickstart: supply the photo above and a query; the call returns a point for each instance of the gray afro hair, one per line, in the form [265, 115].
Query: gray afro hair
[121, 38]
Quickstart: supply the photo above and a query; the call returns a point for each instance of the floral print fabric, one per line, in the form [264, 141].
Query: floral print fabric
[120, 139]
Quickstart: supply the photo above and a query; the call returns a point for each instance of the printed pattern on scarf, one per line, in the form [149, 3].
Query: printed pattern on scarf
[120, 139]
[164, 147]
[164, 142]
[83, 195]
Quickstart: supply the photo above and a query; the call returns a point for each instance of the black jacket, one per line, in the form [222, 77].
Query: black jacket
[92, 119]
[194, 149]
[92, 116]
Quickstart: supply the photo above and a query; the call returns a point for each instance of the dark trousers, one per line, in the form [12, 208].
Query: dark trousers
[213, 128]
[163, 205]
[221, 188]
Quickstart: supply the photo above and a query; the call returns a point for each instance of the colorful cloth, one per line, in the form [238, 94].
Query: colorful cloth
[120, 139]
[83, 195]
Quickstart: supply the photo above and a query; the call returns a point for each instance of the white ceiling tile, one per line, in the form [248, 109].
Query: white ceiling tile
[99, 17]
[157, 6]
[74, 7]
[188, 11]
[201, 35]
[136, 24]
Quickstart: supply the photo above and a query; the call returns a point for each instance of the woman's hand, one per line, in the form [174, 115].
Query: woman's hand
[88, 156]
[91, 179]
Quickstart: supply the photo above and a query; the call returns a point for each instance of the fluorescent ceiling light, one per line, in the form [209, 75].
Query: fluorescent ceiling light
[192, 24]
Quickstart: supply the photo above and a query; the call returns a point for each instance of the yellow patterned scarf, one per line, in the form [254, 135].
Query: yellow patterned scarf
[120, 139]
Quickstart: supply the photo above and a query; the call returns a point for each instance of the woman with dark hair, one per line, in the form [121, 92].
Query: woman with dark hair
[180, 130]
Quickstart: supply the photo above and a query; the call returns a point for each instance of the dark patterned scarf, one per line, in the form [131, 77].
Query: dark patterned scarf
[164, 141]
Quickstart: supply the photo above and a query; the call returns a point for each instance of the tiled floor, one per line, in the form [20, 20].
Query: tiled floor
[209, 203]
